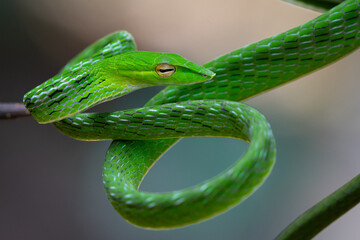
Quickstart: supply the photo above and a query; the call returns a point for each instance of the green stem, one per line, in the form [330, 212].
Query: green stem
[323, 213]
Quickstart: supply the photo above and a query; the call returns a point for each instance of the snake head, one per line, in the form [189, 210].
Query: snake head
[158, 69]
[84, 86]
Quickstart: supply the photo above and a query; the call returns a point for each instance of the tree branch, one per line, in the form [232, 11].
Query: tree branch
[13, 110]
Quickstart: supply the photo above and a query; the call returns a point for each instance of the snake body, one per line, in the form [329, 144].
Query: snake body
[196, 103]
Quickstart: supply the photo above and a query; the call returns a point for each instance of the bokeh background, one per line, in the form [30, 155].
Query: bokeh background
[51, 185]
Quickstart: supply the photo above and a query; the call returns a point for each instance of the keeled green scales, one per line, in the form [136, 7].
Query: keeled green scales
[201, 105]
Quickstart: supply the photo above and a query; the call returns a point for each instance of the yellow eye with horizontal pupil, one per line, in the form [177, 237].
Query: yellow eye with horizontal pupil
[165, 70]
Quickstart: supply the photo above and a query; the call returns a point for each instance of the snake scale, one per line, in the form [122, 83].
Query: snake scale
[198, 101]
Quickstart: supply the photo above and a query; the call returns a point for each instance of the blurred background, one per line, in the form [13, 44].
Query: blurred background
[51, 185]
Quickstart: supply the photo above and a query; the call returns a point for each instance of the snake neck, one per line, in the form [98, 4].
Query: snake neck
[68, 94]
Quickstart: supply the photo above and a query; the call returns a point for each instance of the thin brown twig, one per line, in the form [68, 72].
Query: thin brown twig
[12, 110]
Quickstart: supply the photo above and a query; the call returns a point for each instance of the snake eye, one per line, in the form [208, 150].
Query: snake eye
[165, 70]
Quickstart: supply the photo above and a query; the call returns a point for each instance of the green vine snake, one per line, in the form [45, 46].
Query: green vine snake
[198, 101]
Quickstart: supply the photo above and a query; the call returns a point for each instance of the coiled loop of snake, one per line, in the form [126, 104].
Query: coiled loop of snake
[127, 163]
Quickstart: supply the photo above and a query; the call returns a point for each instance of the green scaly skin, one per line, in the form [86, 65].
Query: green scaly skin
[197, 108]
